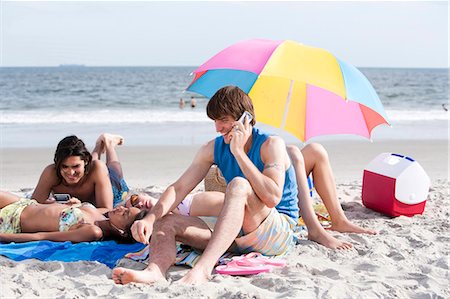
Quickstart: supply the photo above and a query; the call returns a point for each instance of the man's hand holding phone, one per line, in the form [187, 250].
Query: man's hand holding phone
[244, 116]
[241, 131]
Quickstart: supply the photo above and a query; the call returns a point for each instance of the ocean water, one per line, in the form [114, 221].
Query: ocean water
[39, 106]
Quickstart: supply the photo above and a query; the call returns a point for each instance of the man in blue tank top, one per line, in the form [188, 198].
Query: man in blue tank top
[258, 210]
[260, 207]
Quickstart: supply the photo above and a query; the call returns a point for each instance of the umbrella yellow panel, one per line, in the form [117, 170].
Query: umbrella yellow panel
[269, 96]
[311, 65]
[296, 111]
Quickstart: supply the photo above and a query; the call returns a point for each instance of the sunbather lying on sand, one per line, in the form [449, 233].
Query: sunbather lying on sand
[23, 220]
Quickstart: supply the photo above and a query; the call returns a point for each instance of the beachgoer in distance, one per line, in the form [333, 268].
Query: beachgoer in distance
[193, 102]
[259, 209]
[84, 176]
[181, 104]
[23, 220]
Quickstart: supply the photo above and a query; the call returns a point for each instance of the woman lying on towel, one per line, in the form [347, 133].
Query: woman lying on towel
[84, 176]
[23, 220]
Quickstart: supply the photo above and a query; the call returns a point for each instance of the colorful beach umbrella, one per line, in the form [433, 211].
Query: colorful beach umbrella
[304, 90]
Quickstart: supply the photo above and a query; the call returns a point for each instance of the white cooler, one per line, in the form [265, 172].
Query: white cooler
[395, 185]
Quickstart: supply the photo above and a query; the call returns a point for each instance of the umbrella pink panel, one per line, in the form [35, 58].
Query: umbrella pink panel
[250, 55]
[328, 114]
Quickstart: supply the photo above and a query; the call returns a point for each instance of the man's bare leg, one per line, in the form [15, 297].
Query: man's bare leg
[208, 203]
[316, 232]
[186, 229]
[239, 198]
[316, 161]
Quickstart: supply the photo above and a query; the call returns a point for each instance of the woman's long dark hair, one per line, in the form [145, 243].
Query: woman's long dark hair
[71, 146]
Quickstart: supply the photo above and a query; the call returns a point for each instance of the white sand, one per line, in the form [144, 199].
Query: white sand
[407, 259]
[162, 165]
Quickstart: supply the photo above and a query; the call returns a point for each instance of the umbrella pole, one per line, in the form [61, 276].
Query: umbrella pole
[288, 102]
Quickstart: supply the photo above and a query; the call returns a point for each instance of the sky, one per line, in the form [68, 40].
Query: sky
[187, 33]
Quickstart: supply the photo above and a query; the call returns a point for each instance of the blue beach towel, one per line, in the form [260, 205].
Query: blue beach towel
[105, 252]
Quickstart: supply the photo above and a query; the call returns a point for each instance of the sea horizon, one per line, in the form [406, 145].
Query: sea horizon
[41, 105]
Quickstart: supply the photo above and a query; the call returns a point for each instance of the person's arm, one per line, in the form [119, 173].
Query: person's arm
[84, 233]
[268, 184]
[176, 192]
[102, 184]
[47, 180]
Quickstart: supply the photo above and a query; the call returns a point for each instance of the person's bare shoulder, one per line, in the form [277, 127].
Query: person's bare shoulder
[98, 169]
[273, 141]
[50, 169]
[47, 181]
[206, 151]
[274, 148]
[97, 164]
[49, 175]
[209, 145]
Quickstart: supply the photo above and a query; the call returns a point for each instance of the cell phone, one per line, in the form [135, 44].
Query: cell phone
[245, 115]
[61, 197]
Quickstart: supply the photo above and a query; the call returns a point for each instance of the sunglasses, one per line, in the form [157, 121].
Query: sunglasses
[133, 199]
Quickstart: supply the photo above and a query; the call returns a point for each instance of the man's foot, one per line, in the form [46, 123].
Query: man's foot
[124, 276]
[329, 241]
[111, 139]
[346, 226]
[195, 277]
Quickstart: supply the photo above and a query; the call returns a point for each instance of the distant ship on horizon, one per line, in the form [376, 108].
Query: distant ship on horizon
[71, 65]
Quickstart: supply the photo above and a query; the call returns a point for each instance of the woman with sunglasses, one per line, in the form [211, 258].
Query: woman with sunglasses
[23, 220]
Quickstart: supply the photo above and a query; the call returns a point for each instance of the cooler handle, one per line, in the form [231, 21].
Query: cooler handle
[406, 157]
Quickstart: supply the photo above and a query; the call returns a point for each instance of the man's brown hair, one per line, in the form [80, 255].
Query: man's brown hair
[232, 101]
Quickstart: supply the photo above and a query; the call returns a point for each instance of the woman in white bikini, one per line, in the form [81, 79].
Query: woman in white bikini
[23, 220]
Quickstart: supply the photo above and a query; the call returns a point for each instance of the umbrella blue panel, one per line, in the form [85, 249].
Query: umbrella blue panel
[359, 89]
[213, 80]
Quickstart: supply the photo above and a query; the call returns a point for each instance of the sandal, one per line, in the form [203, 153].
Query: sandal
[252, 263]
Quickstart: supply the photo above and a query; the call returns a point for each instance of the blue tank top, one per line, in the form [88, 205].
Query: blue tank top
[230, 169]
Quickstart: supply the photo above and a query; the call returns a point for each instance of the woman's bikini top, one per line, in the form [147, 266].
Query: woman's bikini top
[73, 216]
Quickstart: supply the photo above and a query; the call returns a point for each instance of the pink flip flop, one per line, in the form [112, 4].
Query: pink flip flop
[252, 263]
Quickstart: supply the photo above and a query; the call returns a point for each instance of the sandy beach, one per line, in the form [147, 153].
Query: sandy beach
[122, 67]
[407, 259]
[146, 166]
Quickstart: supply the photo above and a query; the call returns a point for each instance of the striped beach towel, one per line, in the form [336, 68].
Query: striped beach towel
[186, 256]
